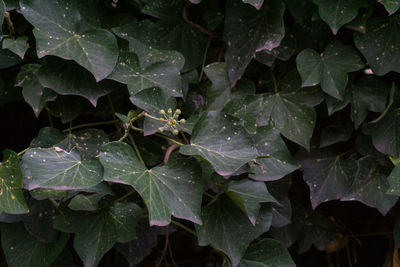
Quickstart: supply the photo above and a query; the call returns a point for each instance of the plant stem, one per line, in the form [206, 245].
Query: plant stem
[125, 196]
[23, 151]
[136, 149]
[10, 24]
[155, 118]
[125, 135]
[187, 229]
[210, 196]
[204, 58]
[184, 138]
[274, 81]
[90, 125]
[169, 139]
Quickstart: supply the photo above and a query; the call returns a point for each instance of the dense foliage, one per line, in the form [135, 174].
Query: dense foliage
[226, 130]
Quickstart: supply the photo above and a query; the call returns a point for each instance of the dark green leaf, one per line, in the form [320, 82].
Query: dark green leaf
[8, 59]
[391, 5]
[219, 93]
[33, 91]
[173, 189]
[384, 133]
[85, 202]
[394, 181]
[64, 170]
[339, 131]
[370, 186]
[328, 175]
[282, 210]
[275, 161]
[308, 228]
[68, 78]
[61, 29]
[379, 44]
[256, 3]
[2, 11]
[17, 46]
[330, 68]
[23, 250]
[228, 229]
[97, 232]
[67, 107]
[160, 74]
[219, 139]
[248, 31]
[11, 197]
[336, 13]
[300, 9]
[267, 252]
[248, 195]
[139, 248]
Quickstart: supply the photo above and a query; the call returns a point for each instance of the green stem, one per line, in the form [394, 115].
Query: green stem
[184, 138]
[210, 196]
[136, 149]
[170, 139]
[155, 118]
[204, 58]
[90, 125]
[10, 24]
[187, 229]
[23, 151]
[125, 196]
[274, 81]
[125, 135]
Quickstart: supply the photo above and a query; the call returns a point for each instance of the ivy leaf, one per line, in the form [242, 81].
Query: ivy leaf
[97, 232]
[219, 139]
[336, 13]
[219, 93]
[391, 6]
[248, 31]
[394, 181]
[17, 46]
[48, 137]
[308, 228]
[328, 175]
[379, 44]
[256, 3]
[369, 94]
[173, 189]
[229, 230]
[87, 142]
[68, 78]
[144, 40]
[33, 91]
[267, 252]
[22, 249]
[8, 59]
[300, 9]
[330, 68]
[275, 161]
[384, 133]
[139, 248]
[85, 202]
[282, 209]
[161, 74]
[67, 107]
[61, 29]
[248, 195]
[370, 186]
[64, 170]
[340, 131]
[12, 200]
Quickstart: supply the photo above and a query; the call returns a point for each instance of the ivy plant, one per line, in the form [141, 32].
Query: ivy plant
[227, 127]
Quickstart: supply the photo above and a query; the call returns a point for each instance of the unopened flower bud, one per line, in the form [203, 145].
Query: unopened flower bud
[178, 111]
[175, 132]
[162, 112]
[182, 121]
[169, 111]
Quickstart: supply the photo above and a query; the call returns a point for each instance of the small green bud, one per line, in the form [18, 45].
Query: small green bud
[183, 121]
[161, 129]
[161, 112]
[175, 132]
[169, 111]
[173, 121]
[178, 111]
